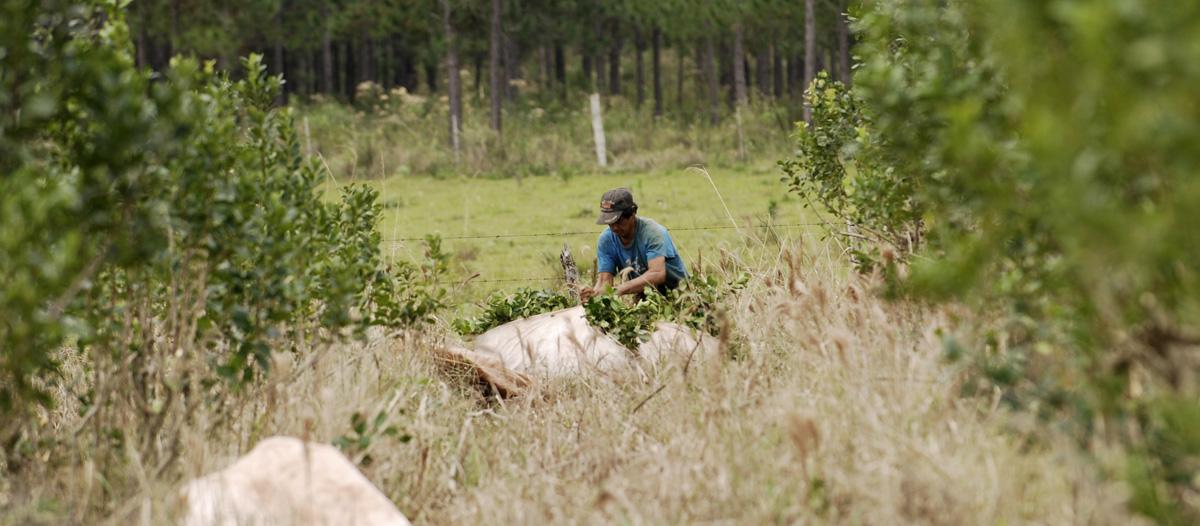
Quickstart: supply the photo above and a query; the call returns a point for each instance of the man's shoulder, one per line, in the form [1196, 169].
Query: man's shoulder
[650, 229]
[651, 225]
[605, 238]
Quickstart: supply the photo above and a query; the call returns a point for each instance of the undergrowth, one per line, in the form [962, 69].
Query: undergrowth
[390, 136]
[694, 304]
[501, 308]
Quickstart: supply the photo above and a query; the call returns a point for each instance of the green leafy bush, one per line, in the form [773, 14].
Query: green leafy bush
[694, 304]
[1047, 150]
[841, 166]
[501, 308]
[148, 220]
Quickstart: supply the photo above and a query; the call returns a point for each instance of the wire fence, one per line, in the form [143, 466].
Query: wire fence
[596, 233]
[471, 280]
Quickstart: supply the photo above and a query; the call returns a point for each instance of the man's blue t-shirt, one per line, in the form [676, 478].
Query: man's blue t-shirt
[650, 240]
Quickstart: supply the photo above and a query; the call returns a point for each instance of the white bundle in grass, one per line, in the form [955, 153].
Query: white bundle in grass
[562, 343]
[284, 480]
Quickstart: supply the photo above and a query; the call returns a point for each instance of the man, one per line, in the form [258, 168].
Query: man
[637, 243]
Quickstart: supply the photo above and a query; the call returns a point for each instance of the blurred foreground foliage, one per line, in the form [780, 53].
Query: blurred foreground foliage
[1046, 154]
[158, 222]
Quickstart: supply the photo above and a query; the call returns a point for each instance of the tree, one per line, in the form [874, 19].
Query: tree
[739, 64]
[1051, 183]
[453, 81]
[494, 71]
[843, 44]
[710, 78]
[656, 68]
[639, 47]
[810, 50]
[614, 58]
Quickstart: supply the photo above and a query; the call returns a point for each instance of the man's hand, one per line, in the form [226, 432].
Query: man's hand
[602, 283]
[586, 293]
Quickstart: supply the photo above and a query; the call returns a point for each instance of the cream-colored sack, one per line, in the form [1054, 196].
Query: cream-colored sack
[562, 343]
[284, 480]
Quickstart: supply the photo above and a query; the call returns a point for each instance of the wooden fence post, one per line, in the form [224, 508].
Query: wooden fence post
[598, 131]
[570, 271]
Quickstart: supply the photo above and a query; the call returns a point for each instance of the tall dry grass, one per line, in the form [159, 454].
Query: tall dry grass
[828, 406]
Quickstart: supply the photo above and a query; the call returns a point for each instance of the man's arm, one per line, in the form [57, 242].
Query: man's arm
[603, 281]
[655, 276]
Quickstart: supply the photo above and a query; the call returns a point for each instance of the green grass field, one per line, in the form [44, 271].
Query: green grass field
[682, 200]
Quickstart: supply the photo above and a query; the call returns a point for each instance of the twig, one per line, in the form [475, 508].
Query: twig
[327, 170]
[647, 399]
[62, 301]
[703, 171]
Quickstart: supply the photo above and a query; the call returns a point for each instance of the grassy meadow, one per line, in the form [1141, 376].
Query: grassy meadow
[837, 409]
[829, 405]
[683, 200]
[543, 179]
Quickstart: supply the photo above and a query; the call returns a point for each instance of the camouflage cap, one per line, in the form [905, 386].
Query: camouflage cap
[614, 203]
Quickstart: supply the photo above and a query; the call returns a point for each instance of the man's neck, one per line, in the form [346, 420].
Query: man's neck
[632, 234]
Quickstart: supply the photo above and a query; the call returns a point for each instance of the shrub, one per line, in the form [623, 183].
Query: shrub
[1055, 175]
[501, 308]
[152, 223]
[694, 304]
[842, 166]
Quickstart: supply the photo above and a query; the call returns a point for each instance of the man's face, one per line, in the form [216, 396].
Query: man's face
[624, 227]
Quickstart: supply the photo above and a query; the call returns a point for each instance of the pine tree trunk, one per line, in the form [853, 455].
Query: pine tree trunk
[354, 65]
[142, 40]
[639, 74]
[810, 50]
[614, 61]
[496, 75]
[560, 64]
[453, 82]
[397, 61]
[308, 62]
[710, 74]
[762, 71]
[843, 41]
[656, 68]
[680, 52]
[174, 38]
[364, 61]
[345, 56]
[795, 75]
[601, 72]
[586, 59]
[739, 66]
[277, 58]
[431, 76]
[512, 67]
[724, 54]
[327, 61]
[345, 69]
[278, 69]
[777, 71]
[479, 76]
[306, 80]
[384, 58]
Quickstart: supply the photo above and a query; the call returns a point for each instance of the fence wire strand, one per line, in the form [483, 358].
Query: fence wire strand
[400, 240]
[596, 233]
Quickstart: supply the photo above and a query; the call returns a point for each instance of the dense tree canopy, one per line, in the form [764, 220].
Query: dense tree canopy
[330, 47]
